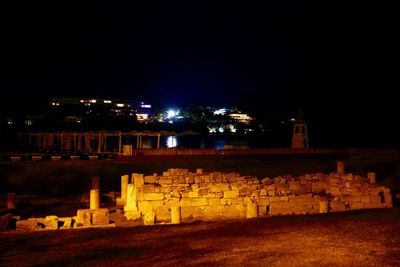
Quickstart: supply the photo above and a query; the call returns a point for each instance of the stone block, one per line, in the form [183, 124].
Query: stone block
[148, 188]
[203, 191]
[317, 187]
[245, 191]
[83, 217]
[145, 207]
[149, 218]
[230, 194]
[151, 179]
[191, 213]
[226, 201]
[51, 222]
[251, 210]
[132, 215]
[214, 201]
[67, 223]
[193, 194]
[152, 196]
[173, 202]
[138, 179]
[27, 225]
[323, 207]
[165, 181]
[234, 211]
[212, 211]
[201, 201]
[185, 201]
[163, 213]
[100, 217]
[294, 185]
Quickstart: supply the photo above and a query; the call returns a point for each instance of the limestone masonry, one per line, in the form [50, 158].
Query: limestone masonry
[179, 195]
[217, 195]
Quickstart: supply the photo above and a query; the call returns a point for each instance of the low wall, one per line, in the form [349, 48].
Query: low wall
[214, 195]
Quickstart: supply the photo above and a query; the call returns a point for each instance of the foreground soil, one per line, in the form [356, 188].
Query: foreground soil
[358, 238]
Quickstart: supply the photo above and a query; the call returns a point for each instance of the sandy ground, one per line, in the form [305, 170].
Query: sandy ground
[358, 238]
[363, 238]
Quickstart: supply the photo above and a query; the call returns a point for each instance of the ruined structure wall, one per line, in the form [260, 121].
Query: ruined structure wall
[230, 195]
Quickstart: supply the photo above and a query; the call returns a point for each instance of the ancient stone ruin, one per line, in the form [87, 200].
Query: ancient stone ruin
[179, 194]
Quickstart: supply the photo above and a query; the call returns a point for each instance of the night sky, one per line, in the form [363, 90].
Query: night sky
[265, 56]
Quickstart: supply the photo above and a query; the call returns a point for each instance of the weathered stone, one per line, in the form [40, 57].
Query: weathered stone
[51, 222]
[94, 199]
[100, 217]
[132, 215]
[149, 218]
[131, 198]
[252, 209]
[67, 223]
[153, 196]
[175, 215]
[150, 179]
[138, 179]
[83, 218]
[162, 213]
[267, 181]
[323, 207]
[230, 194]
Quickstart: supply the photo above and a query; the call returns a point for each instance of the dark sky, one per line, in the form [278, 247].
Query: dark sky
[268, 56]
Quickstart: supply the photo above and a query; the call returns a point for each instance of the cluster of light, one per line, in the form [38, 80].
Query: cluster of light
[142, 117]
[55, 104]
[231, 128]
[221, 111]
[145, 106]
[171, 141]
[120, 105]
[9, 122]
[292, 119]
[212, 129]
[93, 101]
[107, 101]
[241, 117]
[172, 113]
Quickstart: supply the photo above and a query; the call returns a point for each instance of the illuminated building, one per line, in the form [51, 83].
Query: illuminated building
[142, 110]
[241, 117]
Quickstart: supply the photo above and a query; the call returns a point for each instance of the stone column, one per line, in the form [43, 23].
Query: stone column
[124, 187]
[371, 177]
[131, 210]
[11, 201]
[340, 167]
[131, 198]
[94, 199]
[323, 206]
[176, 215]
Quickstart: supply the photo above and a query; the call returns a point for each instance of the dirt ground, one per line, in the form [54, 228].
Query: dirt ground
[358, 238]
[362, 238]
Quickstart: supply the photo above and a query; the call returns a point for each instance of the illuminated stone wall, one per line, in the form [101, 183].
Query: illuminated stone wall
[230, 195]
